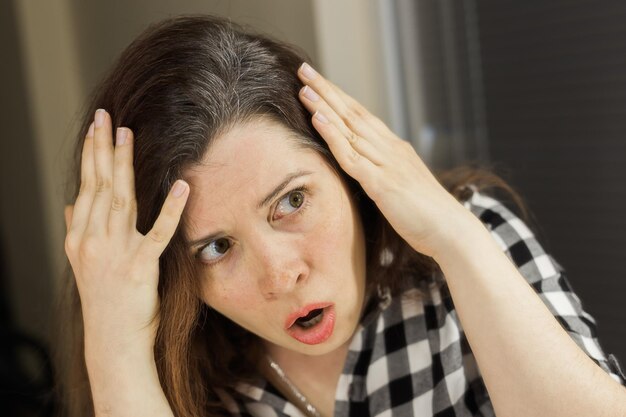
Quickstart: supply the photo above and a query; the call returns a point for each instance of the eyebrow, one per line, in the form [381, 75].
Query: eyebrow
[264, 202]
[280, 187]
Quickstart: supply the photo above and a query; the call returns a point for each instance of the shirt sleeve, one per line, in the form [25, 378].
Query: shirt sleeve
[545, 275]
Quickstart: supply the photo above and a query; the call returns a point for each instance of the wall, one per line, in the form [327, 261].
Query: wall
[555, 95]
[59, 50]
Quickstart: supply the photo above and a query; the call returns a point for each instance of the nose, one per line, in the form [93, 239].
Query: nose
[281, 269]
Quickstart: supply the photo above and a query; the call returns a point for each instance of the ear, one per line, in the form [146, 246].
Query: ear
[68, 211]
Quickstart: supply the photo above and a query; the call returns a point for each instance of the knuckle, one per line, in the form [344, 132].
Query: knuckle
[85, 186]
[118, 203]
[157, 236]
[369, 118]
[350, 117]
[90, 248]
[353, 156]
[71, 244]
[358, 111]
[132, 205]
[103, 184]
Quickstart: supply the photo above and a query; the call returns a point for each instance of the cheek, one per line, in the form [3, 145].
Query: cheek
[229, 299]
[333, 236]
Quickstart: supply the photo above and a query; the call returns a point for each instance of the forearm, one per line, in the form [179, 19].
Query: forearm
[529, 364]
[126, 385]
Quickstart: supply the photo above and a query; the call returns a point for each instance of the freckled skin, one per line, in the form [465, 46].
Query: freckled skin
[274, 267]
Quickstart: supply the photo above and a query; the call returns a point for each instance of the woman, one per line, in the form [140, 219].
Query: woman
[251, 241]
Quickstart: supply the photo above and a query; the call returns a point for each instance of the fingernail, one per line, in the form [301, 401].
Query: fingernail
[179, 188]
[99, 119]
[310, 94]
[319, 116]
[90, 131]
[308, 71]
[120, 136]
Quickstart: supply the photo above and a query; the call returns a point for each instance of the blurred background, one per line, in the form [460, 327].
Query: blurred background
[534, 89]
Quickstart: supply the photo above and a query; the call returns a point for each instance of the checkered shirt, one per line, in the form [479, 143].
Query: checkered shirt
[410, 355]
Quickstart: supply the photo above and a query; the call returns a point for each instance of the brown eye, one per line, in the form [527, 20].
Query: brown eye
[290, 203]
[296, 199]
[221, 245]
[215, 250]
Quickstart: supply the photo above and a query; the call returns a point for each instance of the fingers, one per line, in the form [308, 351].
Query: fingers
[165, 225]
[320, 108]
[106, 201]
[123, 204]
[373, 121]
[82, 206]
[349, 116]
[103, 187]
[351, 160]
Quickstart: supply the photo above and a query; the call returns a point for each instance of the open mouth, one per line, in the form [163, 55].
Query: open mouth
[313, 324]
[311, 319]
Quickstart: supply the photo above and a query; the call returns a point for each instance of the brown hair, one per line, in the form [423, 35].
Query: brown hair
[177, 86]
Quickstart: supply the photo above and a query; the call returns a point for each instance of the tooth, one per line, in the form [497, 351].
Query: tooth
[311, 322]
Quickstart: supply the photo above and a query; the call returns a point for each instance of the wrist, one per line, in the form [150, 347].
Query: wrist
[463, 233]
[126, 385]
[106, 339]
[115, 355]
[108, 357]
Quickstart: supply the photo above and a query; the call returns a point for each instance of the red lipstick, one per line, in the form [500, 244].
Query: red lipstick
[317, 333]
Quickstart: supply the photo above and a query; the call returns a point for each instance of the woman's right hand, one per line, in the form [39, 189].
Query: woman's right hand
[116, 267]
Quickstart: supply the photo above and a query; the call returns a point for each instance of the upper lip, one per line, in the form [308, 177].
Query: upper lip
[301, 312]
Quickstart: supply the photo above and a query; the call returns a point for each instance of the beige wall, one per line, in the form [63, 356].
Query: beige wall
[105, 28]
[350, 50]
[63, 49]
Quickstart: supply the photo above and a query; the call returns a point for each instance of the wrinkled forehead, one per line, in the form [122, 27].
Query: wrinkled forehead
[246, 149]
[253, 136]
[241, 166]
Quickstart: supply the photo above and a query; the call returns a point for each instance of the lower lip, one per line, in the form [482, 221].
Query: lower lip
[318, 333]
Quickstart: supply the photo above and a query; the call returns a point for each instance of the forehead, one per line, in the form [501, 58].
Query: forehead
[255, 136]
[241, 166]
[260, 146]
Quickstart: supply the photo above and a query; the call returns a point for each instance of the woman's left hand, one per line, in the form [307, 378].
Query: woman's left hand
[387, 167]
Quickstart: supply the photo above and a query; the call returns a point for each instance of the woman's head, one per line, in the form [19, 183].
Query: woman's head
[276, 237]
[186, 80]
[194, 90]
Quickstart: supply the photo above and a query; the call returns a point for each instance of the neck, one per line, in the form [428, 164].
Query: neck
[317, 387]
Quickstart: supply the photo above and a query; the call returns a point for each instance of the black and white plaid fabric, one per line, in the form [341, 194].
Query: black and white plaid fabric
[410, 356]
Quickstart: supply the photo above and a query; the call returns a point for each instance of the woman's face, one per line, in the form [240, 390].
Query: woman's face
[279, 239]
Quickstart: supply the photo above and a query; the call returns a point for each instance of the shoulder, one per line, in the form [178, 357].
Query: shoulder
[535, 264]
[545, 275]
[514, 237]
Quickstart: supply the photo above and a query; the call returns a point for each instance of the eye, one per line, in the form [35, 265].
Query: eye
[215, 250]
[289, 204]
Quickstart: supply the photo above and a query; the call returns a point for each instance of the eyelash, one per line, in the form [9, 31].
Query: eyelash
[300, 210]
[302, 189]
